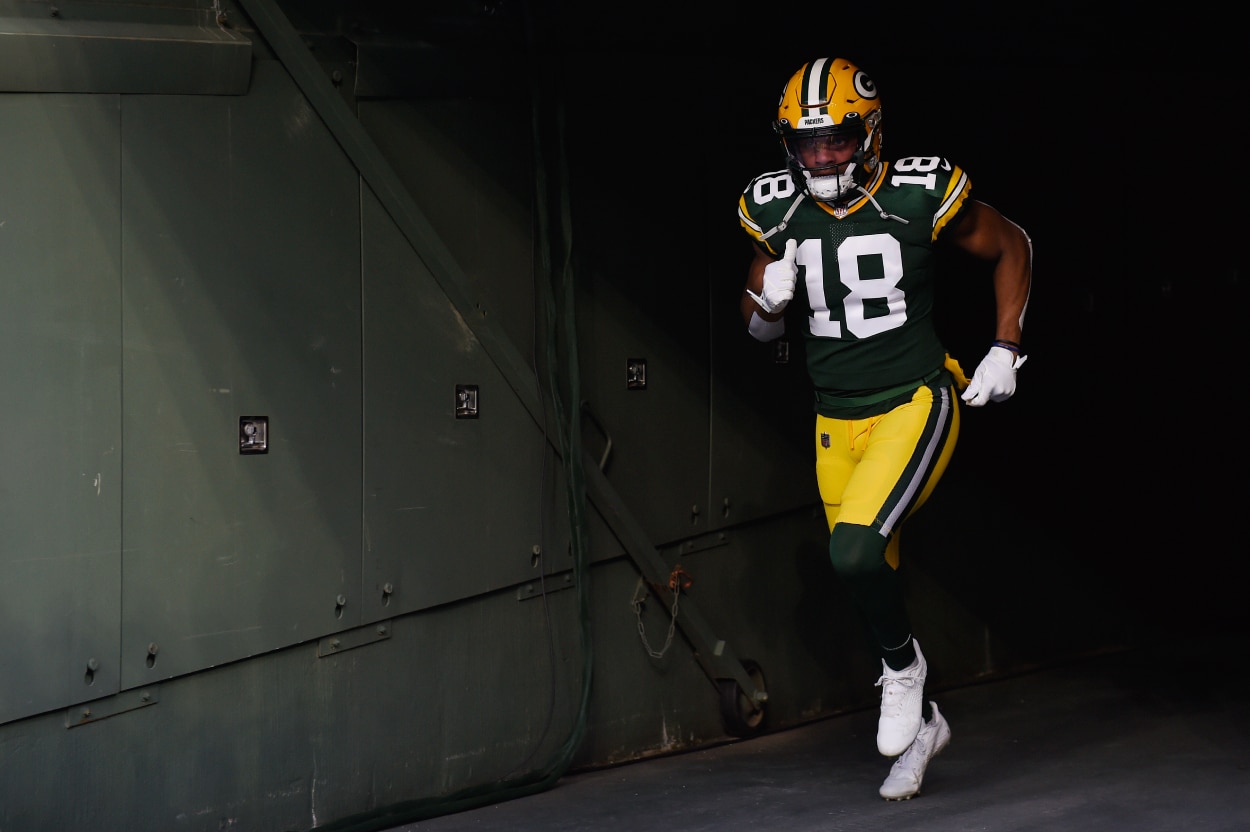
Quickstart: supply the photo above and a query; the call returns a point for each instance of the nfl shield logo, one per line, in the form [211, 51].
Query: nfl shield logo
[824, 440]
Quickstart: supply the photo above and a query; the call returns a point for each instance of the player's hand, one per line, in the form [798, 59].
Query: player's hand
[994, 379]
[779, 277]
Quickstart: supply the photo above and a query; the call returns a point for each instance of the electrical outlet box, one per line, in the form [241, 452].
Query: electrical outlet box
[636, 374]
[466, 401]
[253, 434]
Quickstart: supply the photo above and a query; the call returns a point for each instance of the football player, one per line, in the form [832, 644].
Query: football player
[854, 236]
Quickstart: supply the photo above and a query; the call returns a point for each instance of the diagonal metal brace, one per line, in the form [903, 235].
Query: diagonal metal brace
[716, 658]
[713, 654]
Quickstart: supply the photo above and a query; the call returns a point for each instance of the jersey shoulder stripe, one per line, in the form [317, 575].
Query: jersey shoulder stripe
[763, 204]
[930, 189]
[957, 191]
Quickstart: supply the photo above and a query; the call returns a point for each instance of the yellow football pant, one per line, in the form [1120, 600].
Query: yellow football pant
[872, 474]
[875, 472]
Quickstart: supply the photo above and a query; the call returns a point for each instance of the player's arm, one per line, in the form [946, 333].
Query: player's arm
[985, 233]
[988, 235]
[769, 287]
[755, 285]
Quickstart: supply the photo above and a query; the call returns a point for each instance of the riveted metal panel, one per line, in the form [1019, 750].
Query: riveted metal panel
[241, 299]
[642, 295]
[60, 403]
[453, 507]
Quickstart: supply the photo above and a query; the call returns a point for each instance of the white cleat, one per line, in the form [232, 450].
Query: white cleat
[903, 782]
[902, 699]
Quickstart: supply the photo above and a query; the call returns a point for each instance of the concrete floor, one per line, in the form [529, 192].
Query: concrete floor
[1151, 740]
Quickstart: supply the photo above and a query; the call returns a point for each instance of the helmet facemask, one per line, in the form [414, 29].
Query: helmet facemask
[833, 182]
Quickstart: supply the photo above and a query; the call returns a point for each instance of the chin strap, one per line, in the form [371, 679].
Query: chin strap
[794, 206]
[781, 226]
[885, 215]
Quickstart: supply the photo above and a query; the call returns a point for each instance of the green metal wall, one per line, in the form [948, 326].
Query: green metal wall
[61, 435]
[394, 611]
[241, 296]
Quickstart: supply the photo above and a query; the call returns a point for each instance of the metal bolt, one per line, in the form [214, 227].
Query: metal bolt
[93, 665]
[381, 629]
[153, 649]
[341, 600]
[387, 588]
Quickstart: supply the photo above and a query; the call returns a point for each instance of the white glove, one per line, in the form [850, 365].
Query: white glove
[995, 378]
[779, 277]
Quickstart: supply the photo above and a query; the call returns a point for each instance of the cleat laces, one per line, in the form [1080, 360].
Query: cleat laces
[894, 692]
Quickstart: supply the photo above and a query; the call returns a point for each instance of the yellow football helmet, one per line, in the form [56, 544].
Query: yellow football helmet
[830, 97]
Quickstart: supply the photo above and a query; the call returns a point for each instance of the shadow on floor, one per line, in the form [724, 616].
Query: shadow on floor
[1148, 740]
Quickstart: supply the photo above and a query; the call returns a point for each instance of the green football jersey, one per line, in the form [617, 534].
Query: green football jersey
[866, 271]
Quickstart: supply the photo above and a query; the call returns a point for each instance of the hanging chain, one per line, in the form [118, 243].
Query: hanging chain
[677, 581]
